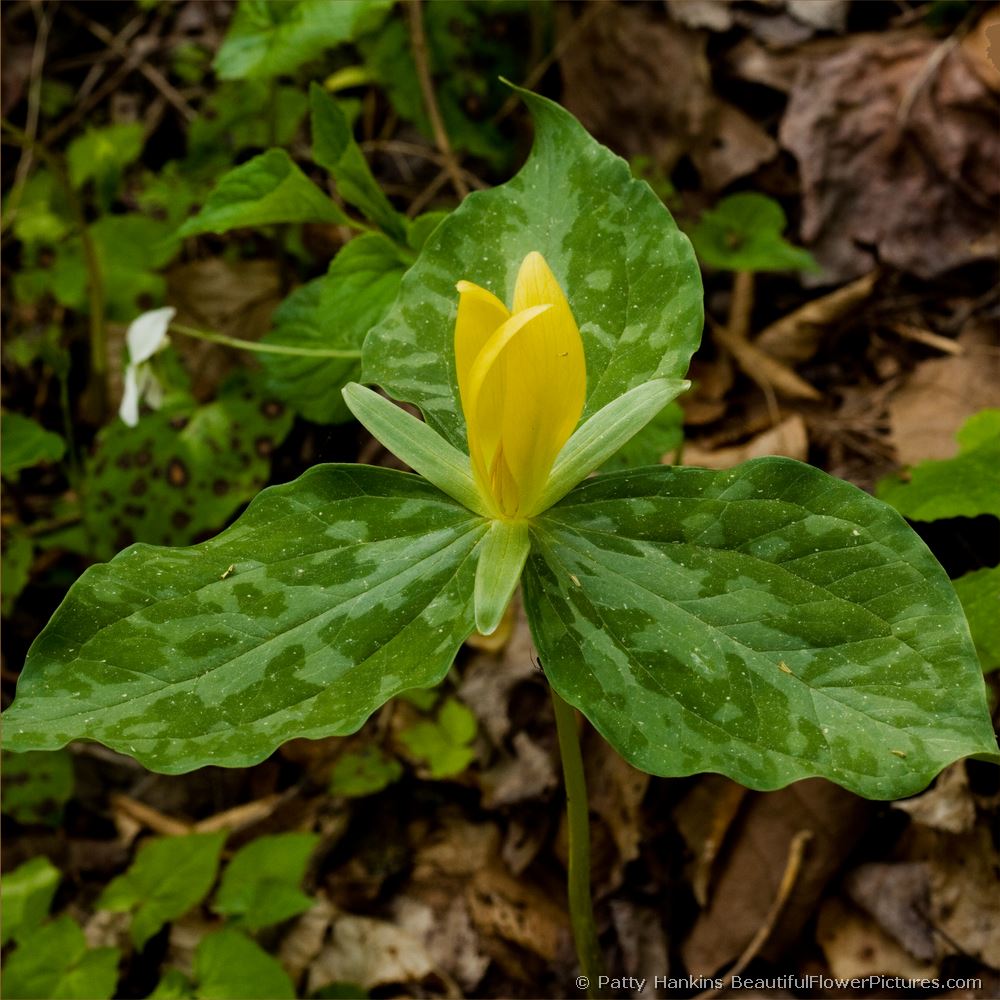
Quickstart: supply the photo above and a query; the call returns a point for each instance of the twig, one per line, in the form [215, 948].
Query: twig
[425, 196]
[153, 75]
[741, 304]
[31, 121]
[593, 11]
[944, 344]
[796, 854]
[418, 42]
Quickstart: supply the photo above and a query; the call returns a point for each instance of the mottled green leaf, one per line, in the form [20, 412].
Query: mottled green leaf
[182, 472]
[36, 786]
[229, 966]
[332, 312]
[26, 895]
[629, 274]
[53, 963]
[260, 885]
[269, 38]
[169, 876]
[364, 772]
[266, 190]
[329, 596]
[979, 593]
[446, 743]
[25, 443]
[335, 149]
[770, 623]
[964, 486]
[744, 233]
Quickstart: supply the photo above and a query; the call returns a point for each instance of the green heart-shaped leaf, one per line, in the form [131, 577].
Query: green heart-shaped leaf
[629, 274]
[329, 596]
[768, 622]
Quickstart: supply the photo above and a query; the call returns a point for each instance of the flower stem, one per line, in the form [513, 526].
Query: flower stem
[581, 909]
[258, 348]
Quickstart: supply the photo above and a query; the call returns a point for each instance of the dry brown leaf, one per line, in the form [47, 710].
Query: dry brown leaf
[641, 83]
[516, 912]
[948, 806]
[529, 774]
[789, 438]
[643, 943]
[489, 679]
[704, 817]
[304, 941]
[796, 337]
[370, 953]
[897, 897]
[616, 790]
[457, 848]
[752, 870]
[964, 888]
[449, 937]
[897, 151]
[981, 47]
[941, 394]
[855, 946]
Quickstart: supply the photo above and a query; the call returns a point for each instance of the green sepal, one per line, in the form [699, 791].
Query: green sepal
[598, 438]
[502, 555]
[422, 448]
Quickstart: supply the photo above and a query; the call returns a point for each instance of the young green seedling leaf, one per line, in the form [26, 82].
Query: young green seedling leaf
[366, 771]
[260, 885]
[169, 876]
[25, 896]
[445, 744]
[229, 966]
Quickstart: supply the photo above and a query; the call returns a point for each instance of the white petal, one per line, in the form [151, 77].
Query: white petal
[148, 333]
[129, 408]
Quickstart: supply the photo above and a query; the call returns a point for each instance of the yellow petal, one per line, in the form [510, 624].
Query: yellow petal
[546, 380]
[480, 313]
[484, 403]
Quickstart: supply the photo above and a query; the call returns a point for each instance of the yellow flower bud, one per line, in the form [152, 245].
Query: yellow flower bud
[522, 379]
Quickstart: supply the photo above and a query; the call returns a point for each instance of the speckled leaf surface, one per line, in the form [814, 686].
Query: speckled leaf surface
[629, 274]
[182, 472]
[329, 596]
[768, 622]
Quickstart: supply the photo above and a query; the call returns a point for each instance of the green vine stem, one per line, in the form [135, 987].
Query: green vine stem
[258, 348]
[581, 908]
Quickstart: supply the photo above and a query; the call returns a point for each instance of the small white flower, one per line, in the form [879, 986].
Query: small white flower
[146, 335]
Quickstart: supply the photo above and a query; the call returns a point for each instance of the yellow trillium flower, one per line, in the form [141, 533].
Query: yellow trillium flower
[522, 378]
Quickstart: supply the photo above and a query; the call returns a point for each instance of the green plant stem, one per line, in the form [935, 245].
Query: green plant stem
[258, 348]
[581, 908]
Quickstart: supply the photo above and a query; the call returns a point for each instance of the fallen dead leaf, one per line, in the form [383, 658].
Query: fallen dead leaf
[855, 946]
[529, 774]
[641, 83]
[370, 953]
[948, 806]
[897, 151]
[704, 817]
[449, 937]
[897, 898]
[304, 941]
[516, 912]
[981, 47]
[752, 870]
[643, 943]
[789, 438]
[797, 336]
[941, 394]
